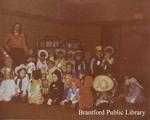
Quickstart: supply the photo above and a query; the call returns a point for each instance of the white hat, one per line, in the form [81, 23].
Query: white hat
[22, 66]
[43, 51]
[103, 83]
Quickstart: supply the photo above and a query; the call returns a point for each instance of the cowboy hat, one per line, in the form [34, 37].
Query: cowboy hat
[43, 51]
[22, 66]
[103, 83]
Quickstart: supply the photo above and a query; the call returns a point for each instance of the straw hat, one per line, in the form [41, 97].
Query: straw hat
[22, 66]
[103, 83]
[43, 51]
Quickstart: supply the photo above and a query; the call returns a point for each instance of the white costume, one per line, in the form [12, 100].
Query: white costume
[24, 86]
[41, 65]
[7, 90]
[30, 67]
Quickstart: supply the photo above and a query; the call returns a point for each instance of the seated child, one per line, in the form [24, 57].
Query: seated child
[132, 91]
[56, 89]
[44, 81]
[22, 81]
[35, 96]
[73, 95]
[7, 88]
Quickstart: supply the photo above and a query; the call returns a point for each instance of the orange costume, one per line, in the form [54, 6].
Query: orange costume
[86, 97]
[17, 41]
[17, 48]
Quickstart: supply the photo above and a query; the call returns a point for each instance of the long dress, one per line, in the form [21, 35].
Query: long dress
[7, 90]
[86, 97]
[35, 96]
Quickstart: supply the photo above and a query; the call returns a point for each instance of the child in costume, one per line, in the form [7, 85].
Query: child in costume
[103, 85]
[41, 62]
[56, 89]
[80, 64]
[45, 83]
[133, 91]
[60, 59]
[70, 57]
[108, 59]
[86, 97]
[30, 63]
[73, 96]
[8, 87]
[68, 76]
[51, 68]
[35, 96]
[22, 81]
[7, 63]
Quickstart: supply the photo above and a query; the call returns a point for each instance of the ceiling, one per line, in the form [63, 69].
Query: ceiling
[80, 11]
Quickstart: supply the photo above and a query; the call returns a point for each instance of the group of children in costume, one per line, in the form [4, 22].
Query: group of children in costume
[65, 81]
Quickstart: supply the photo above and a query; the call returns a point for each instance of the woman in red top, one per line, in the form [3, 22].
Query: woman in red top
[16, 45]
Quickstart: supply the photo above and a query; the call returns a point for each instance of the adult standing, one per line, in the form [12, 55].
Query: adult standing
[96, 65]
[16, 45]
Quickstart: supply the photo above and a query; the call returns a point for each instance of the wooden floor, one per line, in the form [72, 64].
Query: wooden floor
[19, 110]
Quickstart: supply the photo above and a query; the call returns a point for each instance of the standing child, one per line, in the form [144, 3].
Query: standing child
[60, 61]
[80, 64]
[35, 95]
[7, 87]
[51, 68]
[31, 63]
[68, 76]
[41, 62]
